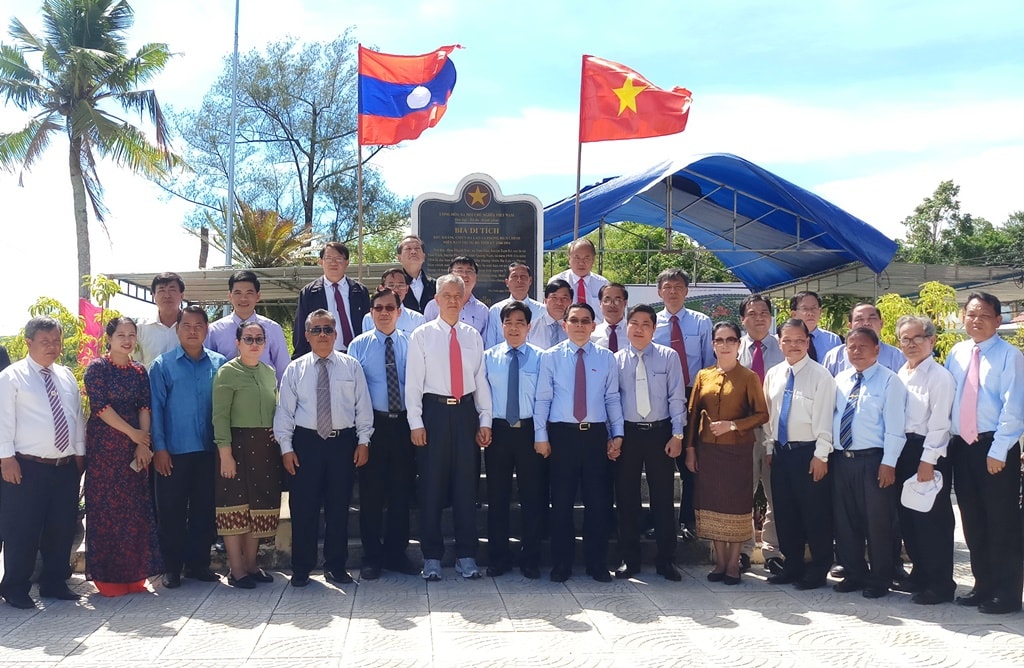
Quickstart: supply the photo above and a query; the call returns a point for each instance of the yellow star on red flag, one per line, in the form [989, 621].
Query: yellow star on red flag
[627, 95]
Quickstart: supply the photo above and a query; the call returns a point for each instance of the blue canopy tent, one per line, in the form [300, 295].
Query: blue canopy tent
[767, 231]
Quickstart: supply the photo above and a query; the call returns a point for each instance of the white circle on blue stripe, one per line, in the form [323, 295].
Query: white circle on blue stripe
[418, 98]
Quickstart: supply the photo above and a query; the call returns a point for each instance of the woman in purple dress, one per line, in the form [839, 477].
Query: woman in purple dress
[121, 539]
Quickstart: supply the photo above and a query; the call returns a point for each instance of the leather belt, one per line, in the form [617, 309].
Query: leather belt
[334, 433]
[521, 424]
[390, 416]
[648, 426]
[578, 426]
[793, 445]
[447, 401]
[59, 461]
[853, 454]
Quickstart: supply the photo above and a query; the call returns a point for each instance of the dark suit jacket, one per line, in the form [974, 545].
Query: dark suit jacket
[315, 296]
[429, 290]
[5, 360]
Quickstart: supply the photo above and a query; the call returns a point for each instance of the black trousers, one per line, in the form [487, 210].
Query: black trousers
[39, 515]
[511, 450]
[802, 512]
[645, 449]
[323, 479]
[579, 461]
[990, 512]
[185, 515]
[928, 536]
[386, 482]
[863, 511]
[447, 468]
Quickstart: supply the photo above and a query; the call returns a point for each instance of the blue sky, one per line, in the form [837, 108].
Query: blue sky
[867, 104]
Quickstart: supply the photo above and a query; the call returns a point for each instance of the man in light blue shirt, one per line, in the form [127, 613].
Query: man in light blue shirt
[868, 434]
[512, 368]
[387, 480]
[547, 330]
[654, 410]
[577, 422]
[519, 281]
[408, 319]
[988, 419]
[865, 315]
[807, 307]
[181, 384]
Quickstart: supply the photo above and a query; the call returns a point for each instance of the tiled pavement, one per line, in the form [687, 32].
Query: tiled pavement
[509, 621]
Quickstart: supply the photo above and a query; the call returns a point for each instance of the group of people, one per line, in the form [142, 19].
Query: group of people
[402, 389]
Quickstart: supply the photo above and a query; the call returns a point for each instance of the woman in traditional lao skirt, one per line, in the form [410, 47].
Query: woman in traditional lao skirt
[249, 487]
[121, 540]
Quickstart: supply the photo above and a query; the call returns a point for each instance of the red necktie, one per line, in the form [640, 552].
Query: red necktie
[969, 399]
[679, 345]
[455, 364]
[757, 364]
[581, 292]
[613, 339]
[579, 397]
[346, 328]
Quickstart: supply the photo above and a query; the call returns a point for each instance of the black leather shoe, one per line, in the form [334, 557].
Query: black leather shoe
[875, 592]
[731, 579]
[201, 574]
[59, 593]
[999, 606]
[626, 571]
[929, 597]
[807, 584]
[846, 586]
[716, 577]
[369, 572]
[497, 570]
[261, 576]
[970, 600]
[559, 575]
[401, 565]
[782, 579]
[300, 580]
[744, 562]
[600, 574]
[669, 572]
[774, 565]
[530, 572]
[244, 582]
[21, 602]
[686, 533]
[907, 586]
[171, 580]
[338, 577]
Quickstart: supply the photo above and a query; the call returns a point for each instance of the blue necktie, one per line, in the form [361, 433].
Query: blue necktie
[787, 402]
[512, 404]
[846, 422]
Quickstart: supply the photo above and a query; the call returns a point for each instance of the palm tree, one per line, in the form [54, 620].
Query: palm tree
[261, 238]
[85, 67]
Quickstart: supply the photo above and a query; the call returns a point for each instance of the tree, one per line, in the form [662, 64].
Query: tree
[84, 68]
[935, 300]
[295, 150]
[261, 238]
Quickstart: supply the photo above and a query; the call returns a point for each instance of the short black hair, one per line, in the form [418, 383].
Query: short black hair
[794, 301]
[794, 322]
[245, 325]
[194, 308]
[987, 298]
[513, 306]
[513, 265]
[394, 270]
[620, 286]
[727, 323]
[384, 292]
[166, 277]
[114, 323]
[859, 304]
[243, 276]
[863, 331]
[584, 305]
[556, 284]
[463, 259]
[753, 299]
[642, 308]
[338, 246]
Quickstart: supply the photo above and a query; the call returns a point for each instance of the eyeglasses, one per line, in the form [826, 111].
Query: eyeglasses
[395, 287]
[727, 340]
[915, 340]
[390, 308]
[334, 259]
[257, 340]
[613, 300]
[577, 322]
[326, 330]
[809, 309]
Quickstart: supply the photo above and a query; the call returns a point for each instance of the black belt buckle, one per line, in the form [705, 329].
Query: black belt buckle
[644, 426]
[393, 416]
[451, 401]
[584, 426]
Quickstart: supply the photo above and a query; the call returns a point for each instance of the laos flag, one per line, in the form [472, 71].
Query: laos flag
[401, 96]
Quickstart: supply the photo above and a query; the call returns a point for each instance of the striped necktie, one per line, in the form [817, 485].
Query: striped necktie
[846, 422]
[61, 432]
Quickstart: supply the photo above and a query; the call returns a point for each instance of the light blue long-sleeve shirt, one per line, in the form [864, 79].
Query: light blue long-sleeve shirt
[494, 332]
[368, 348]
[182, 401]
[881, 415]
[696, 328]
[556, 387]
[664, 385]
[1000, 394]
[890, 357]
[497, 361]
[408, 320]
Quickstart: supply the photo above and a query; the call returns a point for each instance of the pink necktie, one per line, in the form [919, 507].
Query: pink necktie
[455, 364]
[969, 400]
[581, 292]
[579, 397]
[679, 345]
[346, 328]
[757, 363]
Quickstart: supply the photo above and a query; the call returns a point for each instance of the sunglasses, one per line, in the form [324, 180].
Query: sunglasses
[326, 330]
[377, 308]
[250, 340]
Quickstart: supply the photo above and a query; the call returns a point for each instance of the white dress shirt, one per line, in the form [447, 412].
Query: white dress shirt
[26, 419]
[591, 282]
[154, 340]
[296, 403]
[930, 390]
[332, 306]
[811, 410]
[540, 331]
[428, 369]
[603, 331]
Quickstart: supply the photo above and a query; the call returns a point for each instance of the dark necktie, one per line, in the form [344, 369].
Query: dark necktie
[679, 345]
[579, 397]
[613, 339]
[391, 374]
[512, 404]
[757, 363]
[846, 422]
[812, 352]
[61, 433]
[787, 402]
[346, 327]
[324, 422]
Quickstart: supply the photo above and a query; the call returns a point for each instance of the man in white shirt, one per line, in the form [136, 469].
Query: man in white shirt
[449, 409]
[801, 398]
[474, 313]
[42, 456]
[611, 333]
[547, 330]
[519, 281]
[159, 335]
[412, 256]
[586, 285]
[929, 535]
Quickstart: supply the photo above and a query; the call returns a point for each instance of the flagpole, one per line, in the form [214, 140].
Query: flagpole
[359, 163]
[579, 155]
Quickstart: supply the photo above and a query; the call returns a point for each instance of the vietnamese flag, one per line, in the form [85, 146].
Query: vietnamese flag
[619, 103]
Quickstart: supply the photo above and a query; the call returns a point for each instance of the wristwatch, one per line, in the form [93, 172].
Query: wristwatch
[733, 427]
[679, 436]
